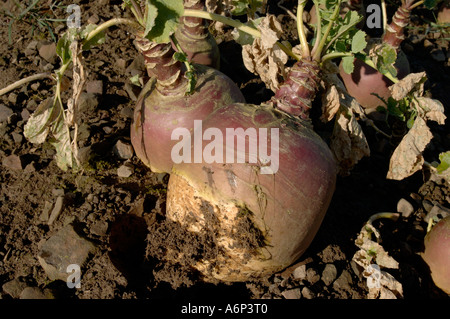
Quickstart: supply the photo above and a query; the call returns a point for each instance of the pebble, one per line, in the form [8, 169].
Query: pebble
[307, 293]
[48, 51]
[31, 48]
[87, 102]
[14, 287]
[405, 208]
[36, 293]
[127, 112]
[329, 274]
[292, 293]
[94, 87]
[125, 171]
[312, 276]
[343, 281]
[12, 162]
[5, 113]
[62, 249]
[17, 137]
[300, 272]
[437, 212]
[99, 228]
[57, 209]
[123, 150]
[25, 114]
[427, 205]
[46, 211]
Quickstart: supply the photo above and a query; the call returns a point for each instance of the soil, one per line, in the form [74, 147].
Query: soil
[125, 216]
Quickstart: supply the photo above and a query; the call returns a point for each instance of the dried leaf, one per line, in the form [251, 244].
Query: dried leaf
[407, 158]
[263, 57]
[331, 103]
[413, 81]
[38, 125]
[433, 109]
[348, 141]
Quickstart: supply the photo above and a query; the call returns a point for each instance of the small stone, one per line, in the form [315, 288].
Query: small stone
[25, 114]
[427, 205]
[107, 129]
[405, 208]
[31, 48]
[12, 162]
[17, 137]
[123, 150]
[93, 19]
[14, 287]
[32, 105]
[307, 293]
[121, 63]
[300, 272]
[427, 43]
[58, 192]
[35, 86]
[125, 171]
[95, 87]
[329, 274]
[127, 112]
[87, 102]
[12, 97]
[292, 293]
[132, 91]
[36, 293]
[312, 276]
[437, 212]
[46, 211]
[57, 209]
[48, 51]
[343, 281]
[99, 228]
[5, 113]
[64, 248]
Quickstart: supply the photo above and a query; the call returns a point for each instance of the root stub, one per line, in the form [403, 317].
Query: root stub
[240, 247]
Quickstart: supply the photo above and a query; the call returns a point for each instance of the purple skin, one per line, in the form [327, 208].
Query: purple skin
[437, 253]
[164, 106]
[366, 80]
[287, 207]
[194, 38]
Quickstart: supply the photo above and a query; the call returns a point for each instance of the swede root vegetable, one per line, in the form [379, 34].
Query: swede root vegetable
[262, 207]
[164, 105]
[437, 253]
[365, 80]
[196, 40]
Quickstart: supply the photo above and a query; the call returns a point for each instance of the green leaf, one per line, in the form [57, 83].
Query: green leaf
[180, 56]
[444, 158]
[63, 49]
[152, 13]
[166, 21]
[347, 64]
[431, 4]
[97, 39]
[244, 38]
[359, 41]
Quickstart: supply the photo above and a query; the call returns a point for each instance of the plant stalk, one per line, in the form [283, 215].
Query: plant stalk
[318, 52]
[26, 80]
[301, 29]
[113, 22]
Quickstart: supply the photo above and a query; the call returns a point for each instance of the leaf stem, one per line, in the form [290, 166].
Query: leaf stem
[370, 63]
[334, 55]
[384, 15]
[26, 80]
[415, 5]
[301, 29]
[317, 54]
[318, 27]
[113, 22]
[217, 17]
